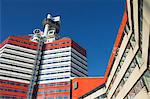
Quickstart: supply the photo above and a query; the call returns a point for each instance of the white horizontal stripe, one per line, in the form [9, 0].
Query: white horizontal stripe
[21, 48]
[19, 53]
[77, 72]
[79, 58]
[79, 63]
[21, 64]
[14, 74]
[57, 80]
[57, 50]
[56, 60]
[56, 55]
[17, 58]
[14, 79]
[9, 67]
[54, 76]
[55, 70]
[76, 52]
[77, 66]
[56, 64]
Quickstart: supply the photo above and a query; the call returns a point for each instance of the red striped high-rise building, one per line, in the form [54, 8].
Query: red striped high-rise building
[40, 65]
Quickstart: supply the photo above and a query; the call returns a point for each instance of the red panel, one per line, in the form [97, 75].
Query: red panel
[11, 85]
[20, 42]
[24, 85]
[54, 87]
[13, 94]
[65, 42]
[78, 48]
[85, 85]
[112, 57]
[26, 37]
[53, 95]
[57, 46]
[46, 88]
[3, 43]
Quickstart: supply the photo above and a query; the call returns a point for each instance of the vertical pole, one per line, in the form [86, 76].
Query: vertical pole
[47, 26]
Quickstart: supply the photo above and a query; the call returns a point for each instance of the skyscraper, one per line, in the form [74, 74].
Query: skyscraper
[40, 65]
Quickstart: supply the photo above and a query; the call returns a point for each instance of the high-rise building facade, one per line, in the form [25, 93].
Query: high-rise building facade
[61, 60]
[17, 55]
[40, 65]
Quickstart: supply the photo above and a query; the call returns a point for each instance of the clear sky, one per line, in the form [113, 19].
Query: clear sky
[91, 23]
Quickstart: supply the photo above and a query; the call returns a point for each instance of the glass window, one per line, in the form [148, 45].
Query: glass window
[146, 78]
[59, 97]
[66, 97]
[132, 66]
[50, 98]
[131, 94]
[126, 76]
[132, 40]
[135, 90]
[126, 30]
[141, 20]
[137, 87]
[139, 58]
[101, 97]
[75, 85]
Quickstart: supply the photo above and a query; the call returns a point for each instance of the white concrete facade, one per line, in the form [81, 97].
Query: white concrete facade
[130, 74]
[62, 64]
[16, 63]
[97, 93]
[129, 77]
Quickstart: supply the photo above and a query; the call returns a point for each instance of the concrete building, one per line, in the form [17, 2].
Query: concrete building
[128, 70]
[61, 60]
[43, 65]
[40, 65]
[82, 85]
[97, 93]
[129, 75]
[17, 57]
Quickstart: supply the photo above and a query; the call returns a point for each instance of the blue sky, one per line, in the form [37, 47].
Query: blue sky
[91, 23]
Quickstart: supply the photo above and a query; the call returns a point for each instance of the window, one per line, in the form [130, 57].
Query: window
[146, 78]
[138, 86]
[131, 94]
[50, 98]
[133, 65]
[139, 58]
[132, 40]
[101, 97]
[75, 85]
[118, 69]
[59, 97]
[125, 78]
[126, 30]
[140, 20]
[51, 31]
[66, 97]
[135, 90]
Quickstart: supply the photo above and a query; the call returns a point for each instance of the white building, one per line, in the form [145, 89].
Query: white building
[128, 71]
[40, 62]
[129, 77]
